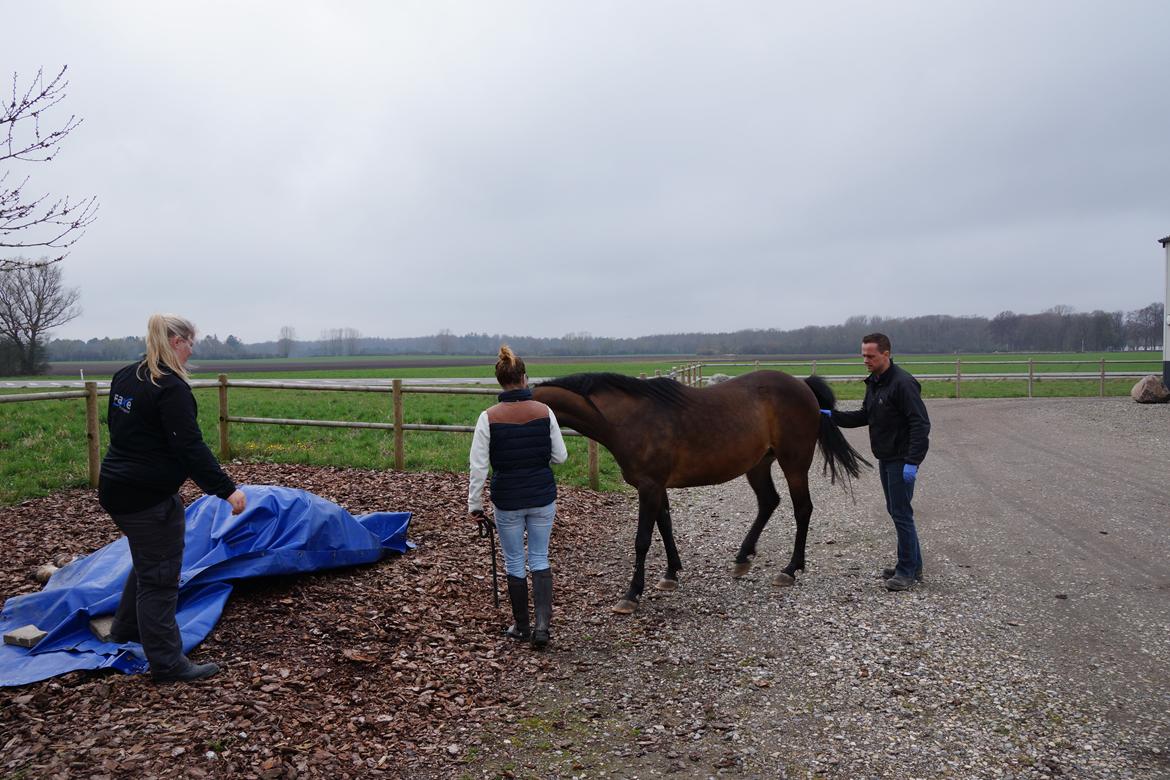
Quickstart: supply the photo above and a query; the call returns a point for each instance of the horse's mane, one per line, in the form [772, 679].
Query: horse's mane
[662, 390]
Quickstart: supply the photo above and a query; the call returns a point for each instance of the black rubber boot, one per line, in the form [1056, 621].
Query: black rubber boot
[518, 595]
[542, 605]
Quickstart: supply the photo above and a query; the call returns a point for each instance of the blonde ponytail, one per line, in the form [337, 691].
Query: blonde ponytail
[510, 368]
[160, 356]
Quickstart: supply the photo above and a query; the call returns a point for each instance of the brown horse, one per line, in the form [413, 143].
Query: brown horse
[666, 435]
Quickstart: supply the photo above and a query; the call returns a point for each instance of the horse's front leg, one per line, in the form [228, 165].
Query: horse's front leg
[669, 580]
[650, 501]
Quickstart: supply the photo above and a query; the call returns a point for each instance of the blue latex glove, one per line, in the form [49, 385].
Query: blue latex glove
[827, 412]
[909, 473]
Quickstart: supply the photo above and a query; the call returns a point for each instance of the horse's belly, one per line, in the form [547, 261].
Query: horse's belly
[698, 474]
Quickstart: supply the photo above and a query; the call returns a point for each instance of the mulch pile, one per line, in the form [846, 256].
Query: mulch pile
[393, 669]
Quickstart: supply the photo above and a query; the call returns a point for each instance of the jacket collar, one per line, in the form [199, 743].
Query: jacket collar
[882, 378]
[522, 394]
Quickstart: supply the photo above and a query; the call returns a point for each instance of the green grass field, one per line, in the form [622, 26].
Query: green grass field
[43, 445]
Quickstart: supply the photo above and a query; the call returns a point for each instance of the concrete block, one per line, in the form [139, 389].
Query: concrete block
[25, 636]
[102, 626]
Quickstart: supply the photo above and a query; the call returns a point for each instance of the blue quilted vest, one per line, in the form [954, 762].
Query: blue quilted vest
[520, 455]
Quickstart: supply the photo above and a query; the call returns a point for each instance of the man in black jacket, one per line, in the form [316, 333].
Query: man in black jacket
[899, 435]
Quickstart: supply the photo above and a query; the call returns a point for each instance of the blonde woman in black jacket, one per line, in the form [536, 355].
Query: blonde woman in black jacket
[155, 445]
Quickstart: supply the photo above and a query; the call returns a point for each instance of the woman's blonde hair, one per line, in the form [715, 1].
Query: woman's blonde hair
[160, 356]
[510, 368]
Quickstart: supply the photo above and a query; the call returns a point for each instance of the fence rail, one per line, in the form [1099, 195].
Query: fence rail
[691, 373]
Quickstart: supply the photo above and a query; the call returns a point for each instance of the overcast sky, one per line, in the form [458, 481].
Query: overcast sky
[611, 167]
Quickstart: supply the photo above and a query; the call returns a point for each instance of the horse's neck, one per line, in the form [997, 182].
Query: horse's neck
[574, 411]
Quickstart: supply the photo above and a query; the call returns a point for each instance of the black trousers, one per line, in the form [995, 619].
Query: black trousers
[151, 594]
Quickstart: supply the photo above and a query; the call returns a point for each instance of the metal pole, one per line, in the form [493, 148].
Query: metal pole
[1166, 319]
[399, 443]
[92, 432]
[225, 445]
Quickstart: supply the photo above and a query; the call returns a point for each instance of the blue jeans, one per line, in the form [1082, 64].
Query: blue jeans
[511, 525]
[898, 496]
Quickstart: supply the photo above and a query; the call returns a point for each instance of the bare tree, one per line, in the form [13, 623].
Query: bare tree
[32, 302]
[32, 221]
[349, 340]
[446, 341]
[288, 335]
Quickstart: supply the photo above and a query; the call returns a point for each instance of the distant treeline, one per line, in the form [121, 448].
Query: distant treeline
[1059, 329]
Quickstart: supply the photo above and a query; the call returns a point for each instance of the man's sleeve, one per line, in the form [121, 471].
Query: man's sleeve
[919, 422]
[480, 459]
[853, 419]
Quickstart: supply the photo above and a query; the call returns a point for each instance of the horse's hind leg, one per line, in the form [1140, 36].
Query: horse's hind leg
[802, 508]
[669, 580]
[759, 477]
[650, 501]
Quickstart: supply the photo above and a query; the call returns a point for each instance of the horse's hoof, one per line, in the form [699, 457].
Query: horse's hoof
[667, 584]
[741, 569]
[625, 607]
[783, 580]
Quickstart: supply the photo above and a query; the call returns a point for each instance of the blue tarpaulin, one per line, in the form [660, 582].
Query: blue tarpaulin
[283, 531]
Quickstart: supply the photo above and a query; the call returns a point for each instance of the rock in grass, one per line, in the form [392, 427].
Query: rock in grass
[1150, 390]
[25, 636]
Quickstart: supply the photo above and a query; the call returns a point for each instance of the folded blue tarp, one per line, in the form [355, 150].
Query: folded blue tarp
[283, 531]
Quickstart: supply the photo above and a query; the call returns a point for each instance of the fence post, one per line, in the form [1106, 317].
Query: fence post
[700, 374]
[642, 375]
[92, 432]
[594, 475]
[658, 372]
[1031, 375]
[399, 443]
[958, 377]
[814, 368]
[1102, 377]
[757, 368]
[225, 444]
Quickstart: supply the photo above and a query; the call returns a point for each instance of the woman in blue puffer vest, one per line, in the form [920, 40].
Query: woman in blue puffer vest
[519, 439]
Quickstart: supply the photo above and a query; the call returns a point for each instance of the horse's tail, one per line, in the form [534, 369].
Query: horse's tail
[835, 449]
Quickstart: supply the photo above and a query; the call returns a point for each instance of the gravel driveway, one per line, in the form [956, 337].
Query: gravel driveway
[1038, 646]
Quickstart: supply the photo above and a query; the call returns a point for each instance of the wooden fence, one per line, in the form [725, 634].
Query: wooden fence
[689, 374]
[957, 376]
[396, 389]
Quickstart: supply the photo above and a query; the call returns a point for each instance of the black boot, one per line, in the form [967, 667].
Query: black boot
[542, 606]
[518, 595]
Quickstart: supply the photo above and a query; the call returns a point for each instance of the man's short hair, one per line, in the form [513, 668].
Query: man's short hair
[881, 339]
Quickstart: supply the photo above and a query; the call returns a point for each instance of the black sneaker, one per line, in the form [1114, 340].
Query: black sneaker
[898, 582]
[191, 673]
[890, 572]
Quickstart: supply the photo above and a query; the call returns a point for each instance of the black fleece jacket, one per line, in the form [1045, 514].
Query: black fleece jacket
[155, 443]
[899, 428]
